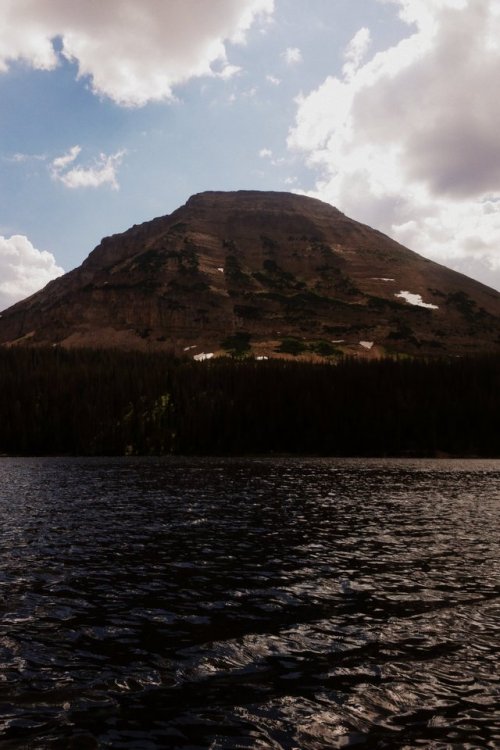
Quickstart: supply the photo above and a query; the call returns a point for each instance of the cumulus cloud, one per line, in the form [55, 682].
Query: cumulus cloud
[23, 269]
[292, 55]
[61, 162]
[133, 51]
[101, 172]
[228, 71]
[409, 140]
[356, 51]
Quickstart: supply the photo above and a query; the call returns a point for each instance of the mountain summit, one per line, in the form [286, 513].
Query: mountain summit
[268, 273]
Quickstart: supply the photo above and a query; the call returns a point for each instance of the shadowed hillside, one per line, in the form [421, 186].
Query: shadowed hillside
[272, 274]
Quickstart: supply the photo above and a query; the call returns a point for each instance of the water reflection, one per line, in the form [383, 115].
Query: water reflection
[258, 604]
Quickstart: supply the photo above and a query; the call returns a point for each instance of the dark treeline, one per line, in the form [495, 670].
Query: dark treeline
[101, 403]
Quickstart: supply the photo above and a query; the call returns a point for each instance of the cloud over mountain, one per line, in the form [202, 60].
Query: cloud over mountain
[133, 51]
[23, 269]
[409, 141]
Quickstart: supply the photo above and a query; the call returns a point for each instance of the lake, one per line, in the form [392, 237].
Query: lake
[254, 603]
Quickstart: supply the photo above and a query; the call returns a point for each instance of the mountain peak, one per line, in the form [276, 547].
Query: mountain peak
[268, 273]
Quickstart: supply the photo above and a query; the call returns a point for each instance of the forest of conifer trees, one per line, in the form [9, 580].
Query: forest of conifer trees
[84, 402]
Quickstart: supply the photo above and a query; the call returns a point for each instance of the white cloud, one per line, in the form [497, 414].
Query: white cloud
[292, 55]
[266, 153]
[23, 269]
[19, 158]
[356, 51]
[61, 162]
[249, 93]
[228, 71]
[409, 141]
[101, 172]
[273, 80]
[133, 51]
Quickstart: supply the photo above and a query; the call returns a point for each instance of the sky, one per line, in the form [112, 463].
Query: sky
[113, 112]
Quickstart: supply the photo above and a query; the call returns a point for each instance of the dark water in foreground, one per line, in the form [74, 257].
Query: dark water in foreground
[256, 604]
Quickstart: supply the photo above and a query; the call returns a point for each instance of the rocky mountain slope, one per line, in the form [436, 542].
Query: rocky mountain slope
[273, 274]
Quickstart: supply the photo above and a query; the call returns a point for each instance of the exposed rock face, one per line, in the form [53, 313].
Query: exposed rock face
[259, 271]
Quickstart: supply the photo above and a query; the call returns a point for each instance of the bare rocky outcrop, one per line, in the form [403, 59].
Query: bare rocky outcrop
[268, 273]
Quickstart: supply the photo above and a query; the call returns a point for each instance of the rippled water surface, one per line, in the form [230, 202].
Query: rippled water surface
[249, 604]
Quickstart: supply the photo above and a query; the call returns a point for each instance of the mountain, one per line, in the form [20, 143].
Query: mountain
[274, 274]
